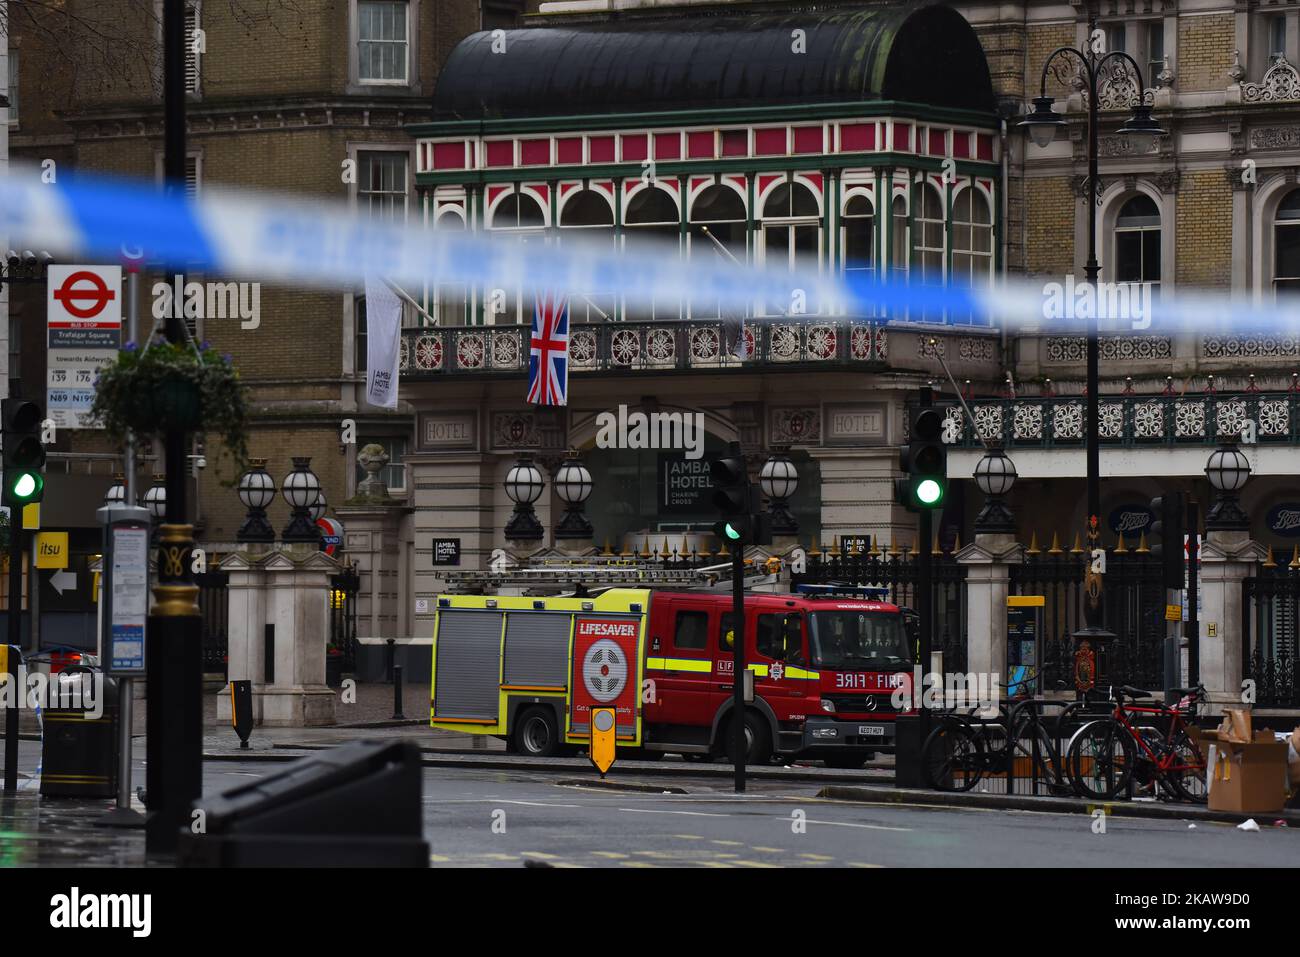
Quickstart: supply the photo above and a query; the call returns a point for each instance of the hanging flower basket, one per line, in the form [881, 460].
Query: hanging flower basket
[173, 388]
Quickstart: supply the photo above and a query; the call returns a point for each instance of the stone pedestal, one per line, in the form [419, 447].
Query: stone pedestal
[289, 590]
[988, 562]
[1227, 559]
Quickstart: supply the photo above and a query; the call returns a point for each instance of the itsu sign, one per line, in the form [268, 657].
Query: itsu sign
[84, 320]
[604, 673]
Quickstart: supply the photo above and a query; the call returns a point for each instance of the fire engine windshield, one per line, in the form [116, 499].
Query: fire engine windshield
[853, 640]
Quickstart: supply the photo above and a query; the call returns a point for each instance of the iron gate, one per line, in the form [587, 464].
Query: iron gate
[343, 617]
[1270, 619]
[1135, 604]
[214, 611]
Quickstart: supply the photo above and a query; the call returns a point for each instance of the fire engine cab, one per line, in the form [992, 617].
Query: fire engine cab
[825, 666]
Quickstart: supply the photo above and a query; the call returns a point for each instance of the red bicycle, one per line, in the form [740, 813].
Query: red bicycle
[1141, 743]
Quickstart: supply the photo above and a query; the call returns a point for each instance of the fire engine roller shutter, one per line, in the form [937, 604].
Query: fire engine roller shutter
[469, 659]
[537, 649]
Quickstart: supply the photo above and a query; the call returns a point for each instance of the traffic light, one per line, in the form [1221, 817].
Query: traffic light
[24, 455]
[1168, 527]
[924, 462]
[741, 504]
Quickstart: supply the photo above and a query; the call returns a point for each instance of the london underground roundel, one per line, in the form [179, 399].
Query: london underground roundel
[604, 670]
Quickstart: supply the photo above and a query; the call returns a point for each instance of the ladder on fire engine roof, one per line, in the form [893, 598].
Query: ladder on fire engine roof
[563, 581]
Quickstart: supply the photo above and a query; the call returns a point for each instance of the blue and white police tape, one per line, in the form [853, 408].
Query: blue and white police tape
[307, 241]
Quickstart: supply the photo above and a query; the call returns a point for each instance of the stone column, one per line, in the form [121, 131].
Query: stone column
[858, 496]
[1227, 558]
[288, 589]
[988, 562]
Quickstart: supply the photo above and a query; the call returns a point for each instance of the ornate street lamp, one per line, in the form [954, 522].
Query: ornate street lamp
[300, 488]
[1227, 470]
[155, 500]
[256, 490]
[524, 485]
[778, 479]
[573, 485]
[1140, 130]
[117, 494]
[994, 476]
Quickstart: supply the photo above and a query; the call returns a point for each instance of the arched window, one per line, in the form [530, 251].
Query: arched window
[972, 238]
[898, 239]
[589, 214]
[651, 223]
[1137, 241]
[720, 210]
[450, 299]
[518, 211]
[858, 227]
[1286, 245]
[520, 216]
[791, 236]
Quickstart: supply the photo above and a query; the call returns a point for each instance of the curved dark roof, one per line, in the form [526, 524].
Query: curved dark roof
[912, 51]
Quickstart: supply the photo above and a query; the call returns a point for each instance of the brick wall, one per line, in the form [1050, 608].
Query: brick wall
[1041, 40]
[1004, 48]
[1205, 46]
[1049, 233]
[1204, 235]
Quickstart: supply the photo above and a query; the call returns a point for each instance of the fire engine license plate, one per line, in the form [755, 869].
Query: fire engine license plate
[877, 730]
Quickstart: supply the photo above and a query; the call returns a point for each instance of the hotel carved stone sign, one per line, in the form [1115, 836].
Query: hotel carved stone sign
[857, 424]
[448, 430]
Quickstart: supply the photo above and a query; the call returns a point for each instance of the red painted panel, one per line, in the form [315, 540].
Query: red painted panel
[738, 181]
[815, 179]
[668, 146]
[699, 181]
[565, 187]
[601, 149]
[494, 192]
[535, 153]
[765, 181]
[544, 192]
[808, 139]
[903, 137]
[770, 142]
[735, 143]
[857, 137]
[569, 150]
[501, 153]
[636, 148]
[984, 146]
[937, 145]
[700, 145]
[960, 144]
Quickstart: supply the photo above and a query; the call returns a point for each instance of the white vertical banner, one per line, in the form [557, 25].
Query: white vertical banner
[383, 334]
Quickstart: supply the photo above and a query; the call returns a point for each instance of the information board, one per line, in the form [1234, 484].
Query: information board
[128, 585]
[1024, 627]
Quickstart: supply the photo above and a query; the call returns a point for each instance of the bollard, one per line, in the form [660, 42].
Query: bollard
[397, 694]
[392, 658]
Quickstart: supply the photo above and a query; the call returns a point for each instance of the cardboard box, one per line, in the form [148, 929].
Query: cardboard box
[1246, 778]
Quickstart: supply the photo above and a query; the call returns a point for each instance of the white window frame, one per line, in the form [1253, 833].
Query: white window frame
[12, 78]
[412, 81]
[355, 149]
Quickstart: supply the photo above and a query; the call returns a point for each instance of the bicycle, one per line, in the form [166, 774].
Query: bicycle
[960, 751]
[1108, 753]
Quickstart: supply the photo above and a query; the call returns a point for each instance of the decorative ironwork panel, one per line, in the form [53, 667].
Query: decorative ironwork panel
[214, 612]
[1270, 631]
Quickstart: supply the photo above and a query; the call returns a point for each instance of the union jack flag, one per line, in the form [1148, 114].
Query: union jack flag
[548, 362]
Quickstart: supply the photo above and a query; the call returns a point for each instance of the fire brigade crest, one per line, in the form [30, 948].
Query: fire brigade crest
[777, 671]
[604, 670]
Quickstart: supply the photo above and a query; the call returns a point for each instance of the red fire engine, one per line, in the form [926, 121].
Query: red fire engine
[826, 667]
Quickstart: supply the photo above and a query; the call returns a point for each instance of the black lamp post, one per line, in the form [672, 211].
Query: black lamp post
[778, 478]
[994, 476]
[300, 489]
[573, 485]
[257, 491]
[1140, 130]
[524, 485]
[1227, 470]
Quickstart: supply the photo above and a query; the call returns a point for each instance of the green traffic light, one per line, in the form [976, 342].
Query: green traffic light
[929, 492]
[26, 485]
[732, 532]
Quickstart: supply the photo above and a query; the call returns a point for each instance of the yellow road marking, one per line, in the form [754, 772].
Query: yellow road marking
[637, 864]
[612, 855]
[729, 843]
[818, 857]
[439, 858]
[860, 864]
[754, 864]
[689, 837]
[539, 855]
[714, 864]
[769, 850]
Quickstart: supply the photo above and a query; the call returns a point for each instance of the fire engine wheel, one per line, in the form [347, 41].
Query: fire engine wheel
[536, 733]
[758, 740]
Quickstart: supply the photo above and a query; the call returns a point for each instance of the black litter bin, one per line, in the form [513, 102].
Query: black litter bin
[79, 745]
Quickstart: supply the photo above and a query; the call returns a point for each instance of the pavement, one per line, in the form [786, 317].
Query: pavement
[572, 818]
